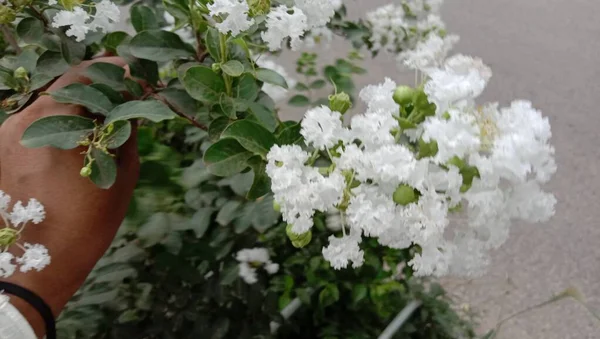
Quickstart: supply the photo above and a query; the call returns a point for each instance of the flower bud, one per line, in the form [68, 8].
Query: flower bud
[259, 7]
[70, 4]
[20, 73]
[340, 102]
[216, 67]
[405, 195]
[7, 15]
[276, 206]
[8, 236]
[404, 95]
[21, 3]
[298, 240]
[85, 172]
[110, 128]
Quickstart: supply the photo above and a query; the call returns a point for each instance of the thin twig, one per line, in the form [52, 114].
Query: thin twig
[40, 15]
[192, 120]
[8, 36]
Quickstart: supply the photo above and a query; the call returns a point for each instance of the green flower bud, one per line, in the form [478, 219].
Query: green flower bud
[21, 3]
[404, 95]
[20, 73]
[405, 195]
[85, 142]
[340, 102]
[7, 15]
[298, 240]
[276, 206]
[85, 172]
[216, 67]
[70, 4]
[259, 7]
[110, 128]
[8, 236]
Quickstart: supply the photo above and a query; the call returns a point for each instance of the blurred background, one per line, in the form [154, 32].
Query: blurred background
[546, 51]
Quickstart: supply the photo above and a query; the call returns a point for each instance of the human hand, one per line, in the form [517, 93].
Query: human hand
[81, 219]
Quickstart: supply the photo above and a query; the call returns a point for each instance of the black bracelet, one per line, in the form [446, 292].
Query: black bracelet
[34, 300]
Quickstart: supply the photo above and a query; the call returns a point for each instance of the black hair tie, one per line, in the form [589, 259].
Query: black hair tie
[34, 300]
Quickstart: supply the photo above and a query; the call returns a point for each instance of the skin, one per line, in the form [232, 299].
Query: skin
[81, 219]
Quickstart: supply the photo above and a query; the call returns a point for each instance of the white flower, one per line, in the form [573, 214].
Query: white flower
[391, 165]
[247, 273]
[379, 98]
[76, 19]
[252, 258]
[277, 93]
[428, 53]
[373, 130]
[4, 201]
[34, 211]
[434, 259]
[52, 2]
[237, 19]
[259, 255]
[107, 13]
[528, 202]
[342, 251]
[272, 268]
[321, 36]
[35, 257]
[370, 211]
[281, 24]
[318, 12]
[7, 268]
[456, 136]
[322, 128]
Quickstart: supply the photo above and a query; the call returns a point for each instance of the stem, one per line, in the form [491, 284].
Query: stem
[40, 15]
[192, 120]
[223, 45]
[8, 36]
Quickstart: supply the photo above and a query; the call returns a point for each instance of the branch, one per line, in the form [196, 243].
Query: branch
[8, 36]
[192, 120]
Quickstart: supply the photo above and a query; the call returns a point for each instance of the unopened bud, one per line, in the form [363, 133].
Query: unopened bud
[405, 195]
[110, 128]
[7, 15]
[85, 172]
[404, 95]
[298, 240]
[216, 67]
[340, 102]
[20, 73]
[21, 3]
[70, 4]
[85, 142]
[276, 206]
[259, 7]
[8, 236]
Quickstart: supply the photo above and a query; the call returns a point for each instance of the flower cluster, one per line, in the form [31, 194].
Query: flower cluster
[80, 21]
[251, 259]
[35, 256]
[282, 22]
[423, 167]
[398, 27]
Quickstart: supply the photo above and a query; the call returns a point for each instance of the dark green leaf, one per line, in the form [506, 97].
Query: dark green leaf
[301, 87]
[246, 88]
[212, 43]
[120, 134]
[104, 169]
[251, 136]
[228, 212]
[203, 84]
[359, 292]
[299, 100]
[144, 70]
[60, 131]
[30, 30]
[106, 73]
[180, 100]
[318, 84]
[154, 230]
[133, 87]
[39, 80]
[271, 77]
[233, 68]
[72, 51]
[159, 46]
[217, 126]
[264, 116]
[114, 96]
[112, 40]
[290, 135]
[51, 64]
[201, 221]
[228, 106]
[329, 295]
[226, 157]
[152, 110]
[92, 99]
[229, 275]
[143, 18]
[27, 59]
[262, 183]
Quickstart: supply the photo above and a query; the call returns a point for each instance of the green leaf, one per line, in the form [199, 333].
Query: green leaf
[112, 40]
[60, 131]
[264, 116]
[51, 63]
[359, 292]
[72, 51]
[290, 134]
[213, 43]
[252, 136]
[112, 95]
[39, 80]
[152, 110]
[159, 46]
[227, 106]
[246, 87]
[106, 73]
[203, 84]
[271, 77]
[217, 126]
[143, 18]
[133, 87]
[104, 169]
[120, 134]
[318, 84]
[76, 93]
[228, 212]
[301, 87]
[30, 30]
[262, 183]
[233, 68]
[226, 157]
[329, 295]
[299, 100]
[144, 70]
[180, 100]
[154, 230]
[201, 221]
[229, 275]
